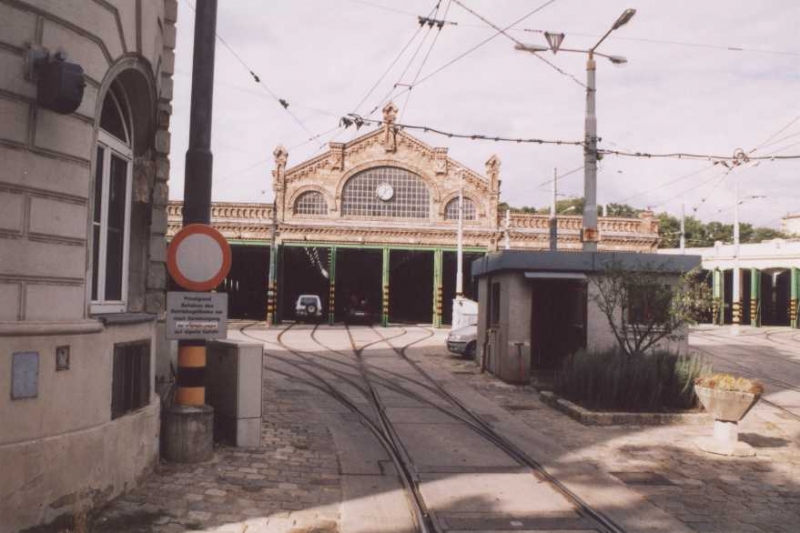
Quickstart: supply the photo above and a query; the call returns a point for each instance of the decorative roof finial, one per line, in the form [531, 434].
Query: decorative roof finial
[389, 113]
[281, 156]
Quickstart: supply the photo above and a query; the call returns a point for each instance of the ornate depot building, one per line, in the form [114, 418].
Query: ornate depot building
[375, 220]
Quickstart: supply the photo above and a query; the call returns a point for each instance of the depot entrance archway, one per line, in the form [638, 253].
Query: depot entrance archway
[393, 284]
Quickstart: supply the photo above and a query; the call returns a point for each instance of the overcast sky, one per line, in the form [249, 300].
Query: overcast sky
[323, 56]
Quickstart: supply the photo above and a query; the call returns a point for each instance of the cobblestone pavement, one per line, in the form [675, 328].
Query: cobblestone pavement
[289, 484]
[707, 492]
[292, 483]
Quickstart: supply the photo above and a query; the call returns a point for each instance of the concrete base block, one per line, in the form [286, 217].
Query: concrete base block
[736, 449]
[188, 433]
[726, 441]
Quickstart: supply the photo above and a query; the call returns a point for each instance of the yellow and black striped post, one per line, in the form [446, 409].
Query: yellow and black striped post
[794, 295]
[191, 388]
[736, 312]
[437, 288]
[385, 287]
[332, 286]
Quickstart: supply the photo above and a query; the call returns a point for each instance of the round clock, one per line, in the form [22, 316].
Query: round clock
[384, 191]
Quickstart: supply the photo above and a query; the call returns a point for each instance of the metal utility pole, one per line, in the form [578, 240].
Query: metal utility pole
[197, 183]
[460, 243]
[737, 282]
[553, 222]
[199, 160]
[683, 227]
[589, 234]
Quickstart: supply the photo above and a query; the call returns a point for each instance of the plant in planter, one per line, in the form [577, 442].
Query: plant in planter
[728, 399]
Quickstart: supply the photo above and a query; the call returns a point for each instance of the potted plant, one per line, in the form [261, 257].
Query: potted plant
[728, 398]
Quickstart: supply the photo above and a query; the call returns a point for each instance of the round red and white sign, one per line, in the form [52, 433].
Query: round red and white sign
[199, 257]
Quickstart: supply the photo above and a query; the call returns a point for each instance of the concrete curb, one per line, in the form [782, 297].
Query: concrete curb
[599, 418]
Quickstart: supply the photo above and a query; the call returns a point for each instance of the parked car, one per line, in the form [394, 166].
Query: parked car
[308, 308]
[358, 311]
[463, 341]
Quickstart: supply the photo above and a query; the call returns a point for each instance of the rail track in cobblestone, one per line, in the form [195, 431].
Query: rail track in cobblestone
[340, 377]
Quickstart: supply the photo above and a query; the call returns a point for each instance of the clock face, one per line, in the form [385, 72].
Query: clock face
[384, 191]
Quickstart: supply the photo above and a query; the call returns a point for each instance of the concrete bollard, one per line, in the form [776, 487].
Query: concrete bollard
[188, 433]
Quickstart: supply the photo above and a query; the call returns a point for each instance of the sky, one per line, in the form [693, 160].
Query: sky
[683, 89]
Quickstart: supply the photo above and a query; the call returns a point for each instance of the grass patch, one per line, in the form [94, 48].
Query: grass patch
[612, 380]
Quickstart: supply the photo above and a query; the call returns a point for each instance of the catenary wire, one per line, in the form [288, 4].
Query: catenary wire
[469, 51]
[283, 103]
[427, 55]
[517, 41]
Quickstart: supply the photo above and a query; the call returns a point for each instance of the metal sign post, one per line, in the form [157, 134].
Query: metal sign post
[198, 259]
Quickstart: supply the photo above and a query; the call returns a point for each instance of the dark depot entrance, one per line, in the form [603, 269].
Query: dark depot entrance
[304, 270]
[358, 283]
[558, 320]
[246, 283]
[411, 286]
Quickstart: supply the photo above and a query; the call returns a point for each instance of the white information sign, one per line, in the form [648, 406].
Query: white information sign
[197, 315]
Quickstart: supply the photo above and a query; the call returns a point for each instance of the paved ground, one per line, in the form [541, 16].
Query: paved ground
[314, 455]
[707, 492]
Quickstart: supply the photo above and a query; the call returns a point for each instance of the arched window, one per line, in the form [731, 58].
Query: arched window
[451, 210]
[111, 210]
[310, 203]
[386, 192]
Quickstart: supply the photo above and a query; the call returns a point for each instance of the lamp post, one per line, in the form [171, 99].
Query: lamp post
[589, 234]
[460, 241]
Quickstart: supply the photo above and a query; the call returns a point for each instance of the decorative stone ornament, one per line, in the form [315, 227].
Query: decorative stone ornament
[440, 160]
[728, 408]
[493, 173]
[389, 129]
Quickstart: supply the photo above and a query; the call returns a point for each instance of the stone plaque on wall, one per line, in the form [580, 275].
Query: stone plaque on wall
[24, 375]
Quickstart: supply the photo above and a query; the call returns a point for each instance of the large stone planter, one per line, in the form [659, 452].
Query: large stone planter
[727, 408]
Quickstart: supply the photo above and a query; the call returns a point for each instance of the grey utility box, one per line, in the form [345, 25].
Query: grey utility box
[233, 381]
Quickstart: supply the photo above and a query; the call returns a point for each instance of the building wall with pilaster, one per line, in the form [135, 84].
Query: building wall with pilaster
[60, 450]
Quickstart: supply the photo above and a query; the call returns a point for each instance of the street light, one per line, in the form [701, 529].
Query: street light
[589, 234]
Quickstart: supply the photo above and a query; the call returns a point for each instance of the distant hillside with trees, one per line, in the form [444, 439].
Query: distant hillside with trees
[699, 234]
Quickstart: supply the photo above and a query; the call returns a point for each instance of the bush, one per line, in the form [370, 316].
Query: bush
[615, 381]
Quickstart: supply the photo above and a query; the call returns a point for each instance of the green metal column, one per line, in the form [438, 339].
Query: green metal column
[385, 286]
[272, 285]
[718, 317]
[332, 285]
[437, 287]
[755, 297]
[794, 295]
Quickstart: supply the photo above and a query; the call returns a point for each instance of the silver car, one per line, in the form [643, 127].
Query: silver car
[463, 341]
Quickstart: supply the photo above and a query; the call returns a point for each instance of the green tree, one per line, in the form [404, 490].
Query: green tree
[647, 304]
[763, 234]
[622, 210]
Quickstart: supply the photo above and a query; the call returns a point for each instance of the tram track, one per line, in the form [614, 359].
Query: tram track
[368, 382]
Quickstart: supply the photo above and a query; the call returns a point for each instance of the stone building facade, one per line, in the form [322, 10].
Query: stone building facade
[83, 198]
[388, 191]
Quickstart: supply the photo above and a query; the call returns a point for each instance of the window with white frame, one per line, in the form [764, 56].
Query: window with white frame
[111, 210]
[311, 203]
[451, 210]
[386, 192]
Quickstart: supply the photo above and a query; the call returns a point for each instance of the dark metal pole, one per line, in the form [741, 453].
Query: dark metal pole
[199, 160]
[197, 183]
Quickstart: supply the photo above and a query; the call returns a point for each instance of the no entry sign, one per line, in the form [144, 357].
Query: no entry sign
[198, 258]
